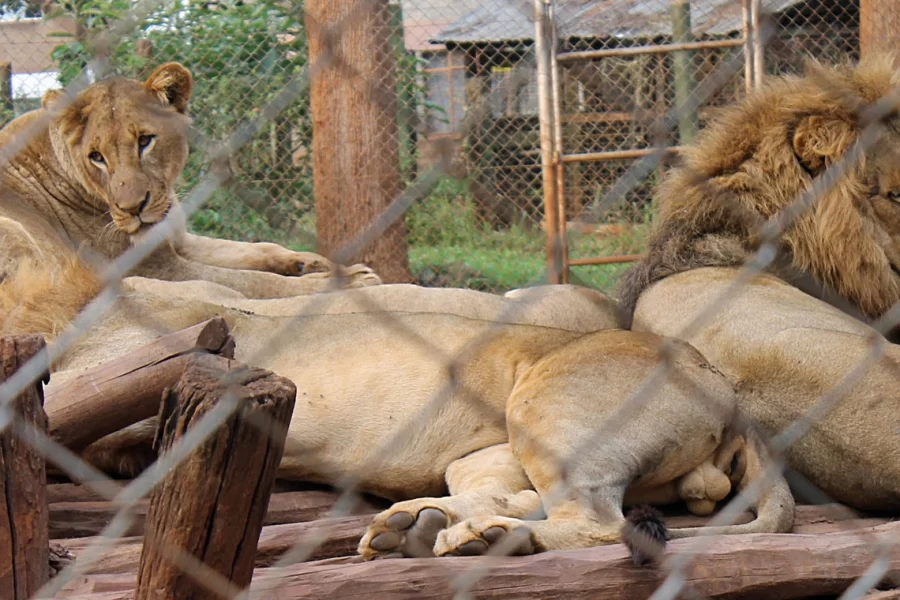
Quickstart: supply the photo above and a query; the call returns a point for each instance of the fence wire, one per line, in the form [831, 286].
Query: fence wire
[464, 76]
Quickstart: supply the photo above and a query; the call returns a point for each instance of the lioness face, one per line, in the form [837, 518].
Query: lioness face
[127, 143]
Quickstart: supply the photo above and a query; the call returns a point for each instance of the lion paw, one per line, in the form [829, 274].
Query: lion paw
[294, 264]
[360, 275]
[703, 487]
[407, 529]
[475, 536]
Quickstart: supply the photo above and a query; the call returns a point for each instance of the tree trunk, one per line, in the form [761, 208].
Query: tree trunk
[879, 26]
[24, 520]
[356, 161]
[211, 506]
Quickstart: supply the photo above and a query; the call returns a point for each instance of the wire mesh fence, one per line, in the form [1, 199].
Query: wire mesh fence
[462, 83]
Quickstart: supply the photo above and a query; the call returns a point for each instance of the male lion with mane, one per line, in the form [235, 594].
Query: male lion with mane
[784, 348]
[94, 174]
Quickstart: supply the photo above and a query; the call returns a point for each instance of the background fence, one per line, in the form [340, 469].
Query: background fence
[466, 134]
[465, 76]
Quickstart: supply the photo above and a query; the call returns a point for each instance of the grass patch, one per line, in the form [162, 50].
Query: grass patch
[450, 244]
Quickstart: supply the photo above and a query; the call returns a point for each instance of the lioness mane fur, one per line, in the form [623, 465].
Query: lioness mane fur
[755, 159]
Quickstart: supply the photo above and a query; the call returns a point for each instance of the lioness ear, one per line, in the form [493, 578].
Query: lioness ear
[171, 83]
[49, 96]
[819, 141]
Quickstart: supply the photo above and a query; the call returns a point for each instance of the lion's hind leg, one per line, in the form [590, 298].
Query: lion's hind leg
[486, 482]
[582, 453]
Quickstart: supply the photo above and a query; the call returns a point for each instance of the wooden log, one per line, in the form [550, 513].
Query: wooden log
[211, 506]
[313, 496]
[883, 595]
[747, 566]
[340, 536]
[83, 519]
[783, 566]
[24, 534]
[125, 390]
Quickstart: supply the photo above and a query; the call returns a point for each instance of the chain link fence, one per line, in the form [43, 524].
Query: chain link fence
[465, 76]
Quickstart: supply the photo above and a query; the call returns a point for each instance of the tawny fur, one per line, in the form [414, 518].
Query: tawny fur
[757, 158]
[44, 301]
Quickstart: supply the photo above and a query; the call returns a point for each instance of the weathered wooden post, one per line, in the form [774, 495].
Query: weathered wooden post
[24, 515]
[211, 506]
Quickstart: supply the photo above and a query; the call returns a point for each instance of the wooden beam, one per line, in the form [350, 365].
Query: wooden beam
[70, 520]
[785, 566]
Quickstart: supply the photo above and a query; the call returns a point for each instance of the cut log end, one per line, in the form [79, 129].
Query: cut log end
[212, 505]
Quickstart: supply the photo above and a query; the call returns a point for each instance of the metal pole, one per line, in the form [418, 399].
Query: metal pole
[748, 46]
[558, 145]
[545, 96]
[650, 49]
[683, 70]
[759, 68]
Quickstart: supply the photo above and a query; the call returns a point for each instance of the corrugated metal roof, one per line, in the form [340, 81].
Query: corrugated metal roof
[511, 20]
[423, 19]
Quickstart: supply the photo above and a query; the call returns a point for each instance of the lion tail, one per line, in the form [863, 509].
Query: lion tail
[42, 297]
[645, 534]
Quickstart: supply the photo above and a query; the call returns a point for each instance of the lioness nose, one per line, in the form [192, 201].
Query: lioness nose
[135, 208]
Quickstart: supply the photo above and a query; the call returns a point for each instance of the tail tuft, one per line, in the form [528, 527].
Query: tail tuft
[645, 534]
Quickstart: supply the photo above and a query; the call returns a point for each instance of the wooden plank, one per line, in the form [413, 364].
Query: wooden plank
[340, 536]
[754, 566]
[83, 519]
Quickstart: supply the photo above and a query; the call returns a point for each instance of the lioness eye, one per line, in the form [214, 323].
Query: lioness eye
[96, 157]
[144, 141]
[894, 195]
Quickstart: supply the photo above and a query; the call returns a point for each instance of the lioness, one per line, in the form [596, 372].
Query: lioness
[782, 348]
[500, 401]
[95, 174]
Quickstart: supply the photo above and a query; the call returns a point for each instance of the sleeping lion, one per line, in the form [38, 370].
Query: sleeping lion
[476, 414]
[785, 349]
